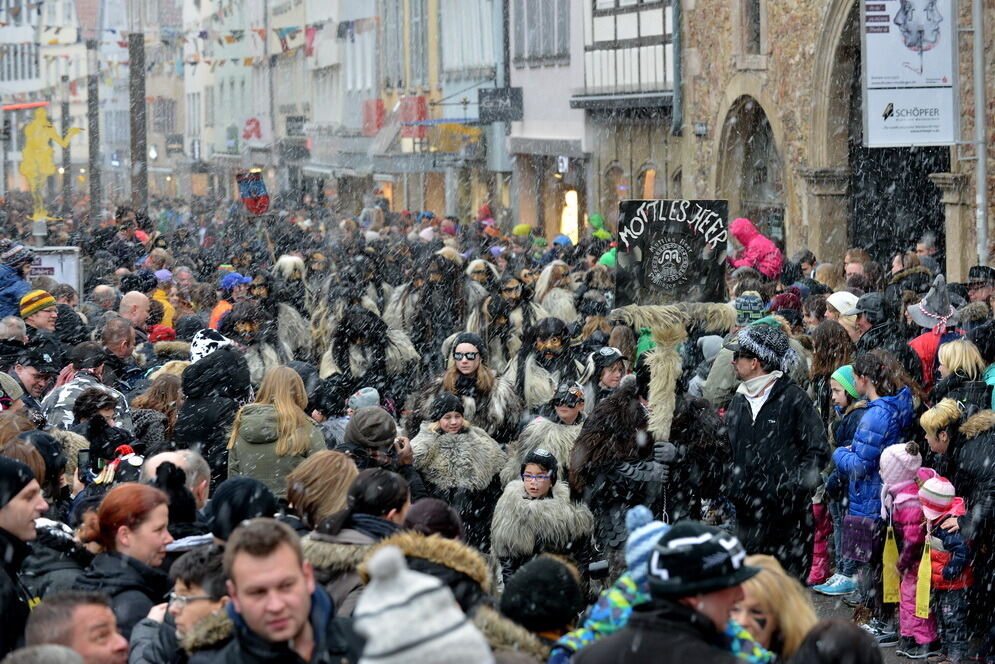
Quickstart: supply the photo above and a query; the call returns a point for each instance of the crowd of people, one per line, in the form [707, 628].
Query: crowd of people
[401, 438]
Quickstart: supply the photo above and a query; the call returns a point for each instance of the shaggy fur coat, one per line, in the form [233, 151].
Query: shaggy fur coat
[497, 413]
[522, 528]
[555, 437]
[463, 470]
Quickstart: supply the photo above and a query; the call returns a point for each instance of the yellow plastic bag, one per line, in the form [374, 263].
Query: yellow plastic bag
[891, 579]
[922, 582]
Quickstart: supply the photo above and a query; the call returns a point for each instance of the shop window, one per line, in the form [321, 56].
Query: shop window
[651, 183]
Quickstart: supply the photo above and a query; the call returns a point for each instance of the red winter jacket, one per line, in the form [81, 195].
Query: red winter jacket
[949, 553]
[758, 252]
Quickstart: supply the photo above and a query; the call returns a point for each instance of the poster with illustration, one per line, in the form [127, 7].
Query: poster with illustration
[671, 251]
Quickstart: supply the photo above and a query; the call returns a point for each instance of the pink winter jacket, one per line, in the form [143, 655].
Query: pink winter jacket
[909, 523]
[758, 252]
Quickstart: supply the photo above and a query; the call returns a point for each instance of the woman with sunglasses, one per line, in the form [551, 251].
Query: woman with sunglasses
[535, 515]
[488, 400]
[459, 463]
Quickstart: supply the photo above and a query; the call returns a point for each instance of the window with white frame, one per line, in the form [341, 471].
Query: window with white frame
[418, 47]
[541, 31]
[393, 45]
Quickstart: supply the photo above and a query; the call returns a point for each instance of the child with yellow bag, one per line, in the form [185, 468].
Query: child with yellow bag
[901, 477]
[944, 588]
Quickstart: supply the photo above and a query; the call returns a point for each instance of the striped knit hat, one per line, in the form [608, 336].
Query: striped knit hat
[35, 301]
[844, 376]
[15, 254]
[644, 533]
[936, 496]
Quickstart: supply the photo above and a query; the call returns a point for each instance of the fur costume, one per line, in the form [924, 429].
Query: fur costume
[481, 280]
[522, 528]
[539, 384]
[541, 432]
[259, 343]
[459, 565]
[554, 292]
[462, 469]
[496, 413]
[294, 332]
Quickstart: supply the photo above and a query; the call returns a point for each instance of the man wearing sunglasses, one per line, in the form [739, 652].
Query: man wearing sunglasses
[778, 448]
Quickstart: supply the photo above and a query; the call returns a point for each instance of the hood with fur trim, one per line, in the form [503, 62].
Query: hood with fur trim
[541, 432]
[506, 636]
[334, 555]
[978, 424]
[171, 350]
[466, 460]
[520, 522]
[439, 550]
[211, 632]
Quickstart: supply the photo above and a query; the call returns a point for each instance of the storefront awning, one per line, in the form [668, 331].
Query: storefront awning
[612, 102]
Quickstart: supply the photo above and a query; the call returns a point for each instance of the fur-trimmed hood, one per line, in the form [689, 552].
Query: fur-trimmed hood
[504, 635]
[466, 460]
[210, 632]
[978, 424]
[922, 272]
[439, 550]
[171, 350]
[557, 438]
[520, 522]
[336, 554]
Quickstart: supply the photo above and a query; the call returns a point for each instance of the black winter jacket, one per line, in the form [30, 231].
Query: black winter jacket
[890, 337]
[214, 388]
[14, 598]
[657, 627]
[956, 386]
[335, 639]
[777, 458]
[55, 561]
[133, 587]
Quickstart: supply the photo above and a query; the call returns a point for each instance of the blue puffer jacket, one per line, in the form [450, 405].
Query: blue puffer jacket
[12, 288]
[884, 423]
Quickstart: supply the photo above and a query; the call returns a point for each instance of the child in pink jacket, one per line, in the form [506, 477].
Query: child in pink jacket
[901, 477]
[758, 251]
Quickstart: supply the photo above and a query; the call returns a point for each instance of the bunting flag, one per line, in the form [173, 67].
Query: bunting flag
[309, 34]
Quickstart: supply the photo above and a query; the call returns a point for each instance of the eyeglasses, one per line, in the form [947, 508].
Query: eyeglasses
[534, 478]
[181, 601]
[469, 356]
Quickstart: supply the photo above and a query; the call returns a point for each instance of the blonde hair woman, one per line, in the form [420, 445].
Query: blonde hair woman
[962, 375]
[774, 609]
[319, 486]
[270, 437]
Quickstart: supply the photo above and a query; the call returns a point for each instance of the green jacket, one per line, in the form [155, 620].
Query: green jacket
[254, 452]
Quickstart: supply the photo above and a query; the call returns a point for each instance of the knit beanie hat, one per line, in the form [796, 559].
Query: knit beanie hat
[206, 342]
[543, 458]
[50, 449]
[14, 476]
[474, 340]
[187, 327]
[899, 463]
[644, 532]
[15, 254]
[936, 496]
[364, 398]
[36, 301]
[749, 308]
[695, 559]
[371, 426]
[409, 618]
[235, 500]
[844, 376]
[161, 333]
[767, 343]
[445, 403]
[789, 299]
[542, 596]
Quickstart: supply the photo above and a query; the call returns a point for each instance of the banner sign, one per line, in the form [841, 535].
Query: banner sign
[671, 251]
[909, 72]
[252, 189]
[60, 263]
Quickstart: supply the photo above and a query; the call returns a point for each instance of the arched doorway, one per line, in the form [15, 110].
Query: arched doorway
[615, 189]
[752, 172]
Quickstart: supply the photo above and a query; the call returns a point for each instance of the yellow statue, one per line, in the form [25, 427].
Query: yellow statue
[38, 162]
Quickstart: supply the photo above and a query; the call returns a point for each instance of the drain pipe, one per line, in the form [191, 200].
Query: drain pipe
[980, 133]
[677, 104]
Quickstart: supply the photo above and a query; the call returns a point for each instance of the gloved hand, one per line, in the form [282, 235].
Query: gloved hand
[664, 451]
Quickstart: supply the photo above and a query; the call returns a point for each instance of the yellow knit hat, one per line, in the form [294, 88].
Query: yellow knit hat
[35, 301]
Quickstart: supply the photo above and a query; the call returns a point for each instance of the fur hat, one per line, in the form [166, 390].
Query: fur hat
[544, 459]
[936, 496]
[445, 403]
[544, 595]
[411, 617]
[644, 533]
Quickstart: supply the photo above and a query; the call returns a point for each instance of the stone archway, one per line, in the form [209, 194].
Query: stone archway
[751, 170]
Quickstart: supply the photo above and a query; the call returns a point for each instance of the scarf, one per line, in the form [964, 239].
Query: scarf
[888, 492]
[373, 526]
[756, 390]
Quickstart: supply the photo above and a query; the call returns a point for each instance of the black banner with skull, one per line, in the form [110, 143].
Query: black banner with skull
[671, 251]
